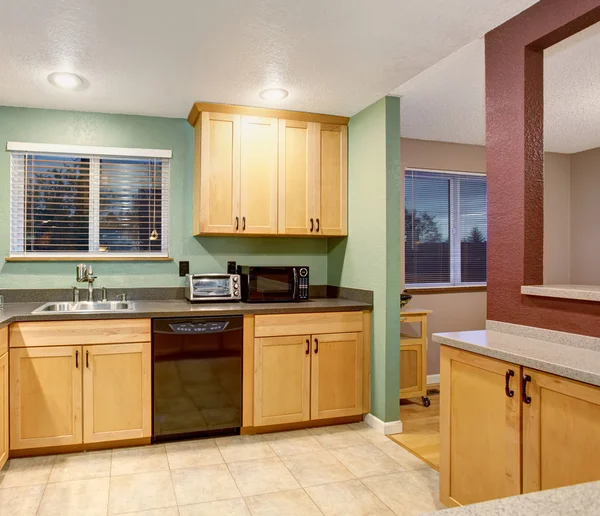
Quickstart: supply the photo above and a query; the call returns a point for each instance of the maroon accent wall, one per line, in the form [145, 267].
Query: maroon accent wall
[515, 150]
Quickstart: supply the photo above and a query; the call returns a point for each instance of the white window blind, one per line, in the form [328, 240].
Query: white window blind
[445, 228]
[71, 204]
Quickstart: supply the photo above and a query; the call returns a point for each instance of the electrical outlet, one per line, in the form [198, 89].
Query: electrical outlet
[184, 268]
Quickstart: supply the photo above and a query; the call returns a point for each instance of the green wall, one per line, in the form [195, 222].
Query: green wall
[369, 258]
[206, 254]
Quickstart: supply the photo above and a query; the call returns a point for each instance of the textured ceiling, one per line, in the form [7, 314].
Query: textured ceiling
[154, 57]
[447, 101]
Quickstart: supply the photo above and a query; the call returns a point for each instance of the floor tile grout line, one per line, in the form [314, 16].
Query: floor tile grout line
[37, 511]
[324, 483]
[172, 481]
[236, 484]
[109, 483]
[375, 494]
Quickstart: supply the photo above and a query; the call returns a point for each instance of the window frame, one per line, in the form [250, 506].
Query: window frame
[95, 154]
[454, 234]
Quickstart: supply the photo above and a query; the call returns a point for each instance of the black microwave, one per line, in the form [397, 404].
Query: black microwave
[262, 284]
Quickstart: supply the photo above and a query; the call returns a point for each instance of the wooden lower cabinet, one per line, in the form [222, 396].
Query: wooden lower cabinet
[413, 376]
[497, 440]
[4, 431]
[480, 429]
[308, 376]
[281, 380]
[336, 375]
[561, 432]
[69, 395]
[45, 396]
[117, 392]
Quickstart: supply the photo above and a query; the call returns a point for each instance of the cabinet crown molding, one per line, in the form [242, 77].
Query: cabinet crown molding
[230, 109]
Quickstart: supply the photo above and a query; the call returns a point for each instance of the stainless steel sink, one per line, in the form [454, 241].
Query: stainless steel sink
[86, 306]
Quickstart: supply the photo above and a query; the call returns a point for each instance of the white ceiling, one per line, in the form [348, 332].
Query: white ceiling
[157, 57]
[447, 101]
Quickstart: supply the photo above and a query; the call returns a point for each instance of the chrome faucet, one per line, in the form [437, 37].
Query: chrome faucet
[85, 273]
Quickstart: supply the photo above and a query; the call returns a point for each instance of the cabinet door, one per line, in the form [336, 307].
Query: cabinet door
[413, 377]
[480, 429]
[45, 396]
[259, 175]
[217, 174]
[298, 188]
[117, 396]
[3, 409]
[336, 375]
[561, 426]
[332, 169]
[281, 380]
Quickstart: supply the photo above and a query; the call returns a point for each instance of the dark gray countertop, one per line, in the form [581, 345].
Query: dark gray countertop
[16, 312]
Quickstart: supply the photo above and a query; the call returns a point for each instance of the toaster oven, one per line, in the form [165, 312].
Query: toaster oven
[212, 287]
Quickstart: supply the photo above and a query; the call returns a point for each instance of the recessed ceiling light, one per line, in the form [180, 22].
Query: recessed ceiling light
[273, 94]
[65, 80]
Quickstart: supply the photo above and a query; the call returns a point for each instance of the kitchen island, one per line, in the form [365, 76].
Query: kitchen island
[519, 412]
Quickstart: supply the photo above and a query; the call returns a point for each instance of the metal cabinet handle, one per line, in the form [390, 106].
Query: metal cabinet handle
[312, 225]
[526, 380]
[509, 392]
[77, 359]
[318, 225]
[243, 223]
[87, 359]
[307, 346]
[316, 346]
[237, 223]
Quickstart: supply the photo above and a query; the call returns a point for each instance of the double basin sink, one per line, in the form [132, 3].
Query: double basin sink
[86, 307]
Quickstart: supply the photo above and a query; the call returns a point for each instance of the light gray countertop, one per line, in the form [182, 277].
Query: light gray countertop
[579, 500]
[580, 292]
[16, 312]
[570, 361]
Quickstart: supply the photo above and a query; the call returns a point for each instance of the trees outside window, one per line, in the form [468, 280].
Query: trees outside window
[445, 228]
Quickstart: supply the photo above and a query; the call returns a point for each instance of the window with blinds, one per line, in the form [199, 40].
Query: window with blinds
[445, 222]
[88, 201]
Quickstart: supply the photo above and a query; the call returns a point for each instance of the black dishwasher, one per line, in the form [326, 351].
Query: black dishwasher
[197, 376]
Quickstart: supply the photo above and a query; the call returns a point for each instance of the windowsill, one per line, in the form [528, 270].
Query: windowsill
[89, 259]
[446, 290]
[577, 292]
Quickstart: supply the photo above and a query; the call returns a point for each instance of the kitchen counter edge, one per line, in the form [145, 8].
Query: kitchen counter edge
[575, 363]
[578, 500]
[21, 312]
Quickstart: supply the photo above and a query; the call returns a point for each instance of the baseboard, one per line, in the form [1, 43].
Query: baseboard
[433, 379]
[391, 427]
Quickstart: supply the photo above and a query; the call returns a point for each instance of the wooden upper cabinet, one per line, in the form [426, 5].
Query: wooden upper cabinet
[117, 393]
[561, 426]
[331, 209]
[45, 396]
[217, 174]
[336, 375]
[3, 409]
[297, 178]
[281, 380]
[266, 172]
[480, 429]
[259, 175]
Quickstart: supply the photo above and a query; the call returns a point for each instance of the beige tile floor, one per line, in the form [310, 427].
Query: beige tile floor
[341, 470]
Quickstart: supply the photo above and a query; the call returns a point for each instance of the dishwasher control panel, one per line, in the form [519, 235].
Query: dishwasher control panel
[200, 327]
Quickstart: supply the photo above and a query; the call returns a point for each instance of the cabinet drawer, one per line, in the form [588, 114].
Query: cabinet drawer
[3, 340]
[68, 333]
[303, 324]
